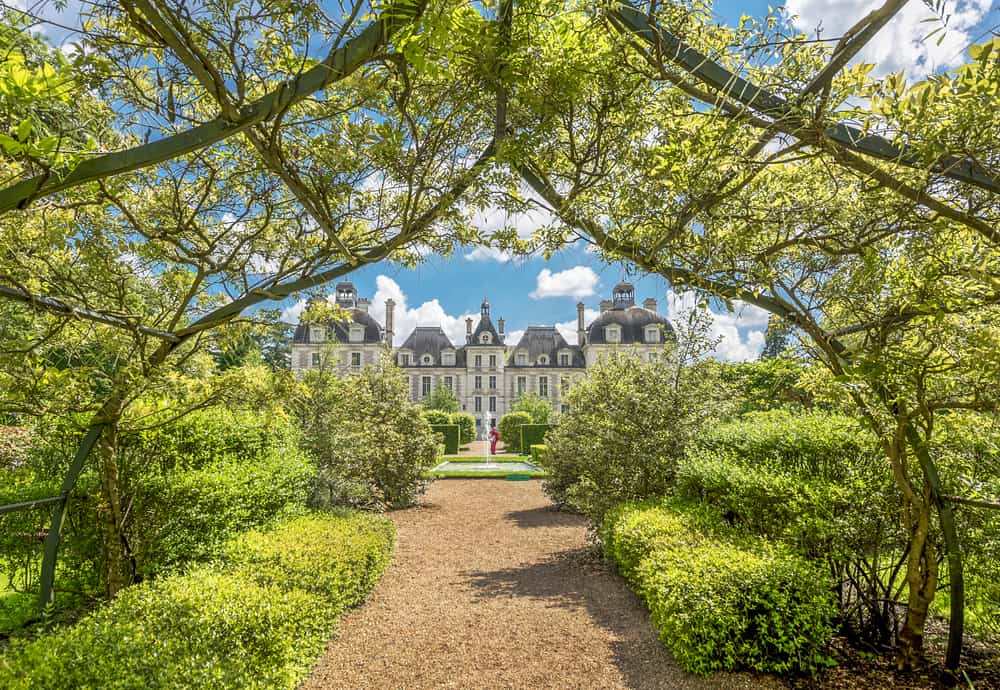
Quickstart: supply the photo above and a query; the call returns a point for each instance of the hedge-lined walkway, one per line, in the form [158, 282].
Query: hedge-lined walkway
[491, 589]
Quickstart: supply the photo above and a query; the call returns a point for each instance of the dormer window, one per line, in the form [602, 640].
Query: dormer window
[652, 334]
[317, 334]
[613, 334]
[448, 359]
[356, 334]
[485, 339]
[426, 360]
[543, 360]
[522, 359]
[564, 359]
[404, 359]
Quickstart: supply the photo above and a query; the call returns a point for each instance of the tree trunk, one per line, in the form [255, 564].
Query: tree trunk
[922, 580]
[116, 576]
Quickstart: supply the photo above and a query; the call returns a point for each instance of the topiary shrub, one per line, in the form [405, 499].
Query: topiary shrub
[510, 430]
[450, 433]
[538, 455]
[532, 434]
[467, 425]
[259, 622]
[437, 417]
[720, 604]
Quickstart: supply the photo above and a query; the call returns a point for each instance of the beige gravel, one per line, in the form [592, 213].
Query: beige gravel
[492, 588]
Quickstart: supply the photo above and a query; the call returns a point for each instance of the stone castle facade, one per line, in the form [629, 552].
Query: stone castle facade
[486, 373]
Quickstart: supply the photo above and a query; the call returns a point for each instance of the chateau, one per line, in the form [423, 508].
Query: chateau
[485, 372]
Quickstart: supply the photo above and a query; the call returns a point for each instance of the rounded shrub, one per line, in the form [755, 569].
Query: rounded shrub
[466, 424]
[437, 417]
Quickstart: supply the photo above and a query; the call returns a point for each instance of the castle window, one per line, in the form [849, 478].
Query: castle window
[522, 359]
[448, 359]
[426, 359]
[493, 360]
[543, 359]
[404, 359]
[652, 334]
[485, 338]
[543, 386]
[613, 334]
[493, 383]
[479, 361]
[315, 359]
[425, 386]
[522, 384]
[356, 333]
[564, 359]
[449, 383]
[493, 404]
[355, 359]
[477, 383]
[652, 356]
[317, 334]
[479, 404]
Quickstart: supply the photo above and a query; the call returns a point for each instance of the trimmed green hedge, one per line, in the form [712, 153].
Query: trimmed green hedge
[532, 434]
[510, 430]
[258, 622]
[720, 604]
[451, 434]
[467, 425]
[436, 417]
[538, 454]
[188, 516]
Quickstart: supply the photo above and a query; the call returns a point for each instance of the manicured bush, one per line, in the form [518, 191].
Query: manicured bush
[259, 622]
[510, 430]
[537, 407]
[538, 454]
[436, 417]
[467, 424]
[450, 433]
[372, 444]
[720, 604]
[532, 434]
[187, 516]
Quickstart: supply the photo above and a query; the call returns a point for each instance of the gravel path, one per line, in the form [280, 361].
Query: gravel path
[491, 588]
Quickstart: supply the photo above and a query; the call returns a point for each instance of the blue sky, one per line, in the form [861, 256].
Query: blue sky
[532, 291]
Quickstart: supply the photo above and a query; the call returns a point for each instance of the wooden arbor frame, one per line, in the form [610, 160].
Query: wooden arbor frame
[699, 76]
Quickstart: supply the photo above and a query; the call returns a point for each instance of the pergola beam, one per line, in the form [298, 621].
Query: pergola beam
[763, 102]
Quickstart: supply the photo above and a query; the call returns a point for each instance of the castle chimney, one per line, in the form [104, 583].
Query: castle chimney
[389, 321]
[500, 325]
[606, 304]
[581, 333]
[468, 329]
[649, 303]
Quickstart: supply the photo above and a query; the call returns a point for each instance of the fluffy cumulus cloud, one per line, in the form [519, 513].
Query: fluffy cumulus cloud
[568, 328]
[740, 333]
[903, 44]
[407, 318]
[579, 281]
[492, 219]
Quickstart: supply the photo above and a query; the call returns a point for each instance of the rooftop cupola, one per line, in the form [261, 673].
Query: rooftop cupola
[347, 294]
[484, 308]
[623, 295]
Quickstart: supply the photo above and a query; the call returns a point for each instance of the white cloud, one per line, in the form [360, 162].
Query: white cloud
[406, 318]
[568, 328]
[512, 337]
[488, 254]
[293, 313]
[579, 281]
[902, 44]
[740, 333]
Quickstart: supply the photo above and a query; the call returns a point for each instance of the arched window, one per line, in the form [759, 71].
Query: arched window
[485, 339]
[426, 359]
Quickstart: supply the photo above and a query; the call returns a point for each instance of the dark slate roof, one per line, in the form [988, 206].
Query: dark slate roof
[545, 340]
[428, 340]
[633, 321]
[373, 331]
[485, 326]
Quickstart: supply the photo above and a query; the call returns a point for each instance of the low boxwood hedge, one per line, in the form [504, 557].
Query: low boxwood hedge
[720, 604]
[258, 620]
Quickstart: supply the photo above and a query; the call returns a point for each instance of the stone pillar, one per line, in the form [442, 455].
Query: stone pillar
[468, 329]
[500, 325]
[389, 322]
[581, 331]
